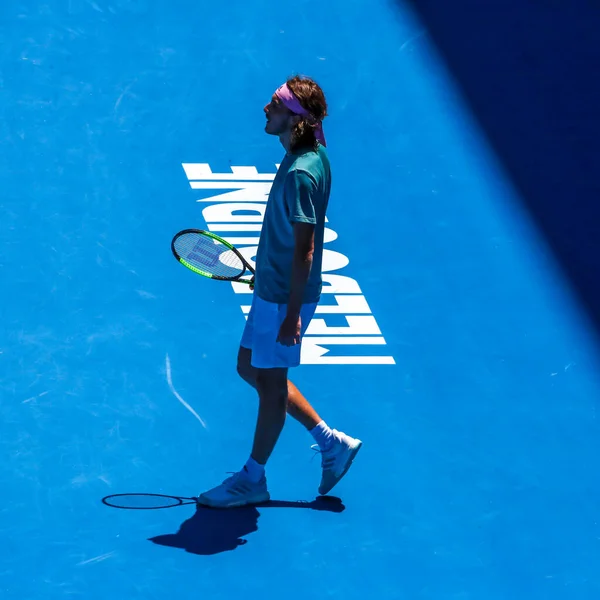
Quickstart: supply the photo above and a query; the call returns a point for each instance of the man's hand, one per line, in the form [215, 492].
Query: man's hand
[252, 283]
[289, 332]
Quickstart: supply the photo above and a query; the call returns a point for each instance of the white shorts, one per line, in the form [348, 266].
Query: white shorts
[262, 329]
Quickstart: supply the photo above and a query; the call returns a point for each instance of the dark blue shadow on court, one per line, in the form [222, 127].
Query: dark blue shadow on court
[528, 71]
[211, 531]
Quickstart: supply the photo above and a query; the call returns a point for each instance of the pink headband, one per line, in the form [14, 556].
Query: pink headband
[290, 101]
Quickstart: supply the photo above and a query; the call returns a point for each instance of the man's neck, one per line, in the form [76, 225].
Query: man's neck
[285, 142]
[284, 138]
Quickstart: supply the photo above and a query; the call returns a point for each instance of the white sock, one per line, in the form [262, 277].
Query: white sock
[323, 435]
[255, 470]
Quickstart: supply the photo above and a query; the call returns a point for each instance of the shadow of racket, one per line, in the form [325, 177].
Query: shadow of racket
[210, 531]
[148, 501]
[145, 501]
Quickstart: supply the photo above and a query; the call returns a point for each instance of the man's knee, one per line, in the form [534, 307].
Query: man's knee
[244, 366]
[272, 383]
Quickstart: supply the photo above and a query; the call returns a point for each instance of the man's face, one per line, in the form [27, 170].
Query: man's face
[279, 118]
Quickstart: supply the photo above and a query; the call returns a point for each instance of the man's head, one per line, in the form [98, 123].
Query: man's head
[295, 114]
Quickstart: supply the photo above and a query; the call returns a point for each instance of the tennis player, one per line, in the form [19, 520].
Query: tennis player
[287, 288]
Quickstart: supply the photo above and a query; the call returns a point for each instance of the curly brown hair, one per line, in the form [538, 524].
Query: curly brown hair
[312, 98]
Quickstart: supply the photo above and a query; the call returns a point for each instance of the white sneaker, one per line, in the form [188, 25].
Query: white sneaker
[237, 490]
[336, 461]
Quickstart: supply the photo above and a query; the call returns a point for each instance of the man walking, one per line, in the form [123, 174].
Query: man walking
[287, 289]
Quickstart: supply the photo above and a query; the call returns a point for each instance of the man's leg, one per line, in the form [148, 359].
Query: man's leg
[249, 486]
[338, 450]
[298, 406]
[271, 385]
[277, 395]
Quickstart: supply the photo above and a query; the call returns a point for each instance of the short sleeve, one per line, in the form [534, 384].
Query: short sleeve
[300, 191]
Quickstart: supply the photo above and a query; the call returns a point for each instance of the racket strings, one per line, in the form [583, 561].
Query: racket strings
[209, 255]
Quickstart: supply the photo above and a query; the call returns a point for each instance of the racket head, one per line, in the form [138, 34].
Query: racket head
[209, 255]
[144, 501]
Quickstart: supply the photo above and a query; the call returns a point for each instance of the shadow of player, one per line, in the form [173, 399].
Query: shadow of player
[211, 531]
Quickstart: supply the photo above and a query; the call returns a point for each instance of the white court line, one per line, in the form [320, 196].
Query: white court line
[170, 382]
[96, 559]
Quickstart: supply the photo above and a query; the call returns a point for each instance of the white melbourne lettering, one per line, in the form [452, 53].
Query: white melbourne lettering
[238, 210]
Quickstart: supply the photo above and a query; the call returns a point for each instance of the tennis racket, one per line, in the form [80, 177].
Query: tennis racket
[211, 256]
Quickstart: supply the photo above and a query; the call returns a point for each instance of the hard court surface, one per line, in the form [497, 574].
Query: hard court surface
[448, 339]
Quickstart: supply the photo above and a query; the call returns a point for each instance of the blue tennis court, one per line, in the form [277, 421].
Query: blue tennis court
[448, 338]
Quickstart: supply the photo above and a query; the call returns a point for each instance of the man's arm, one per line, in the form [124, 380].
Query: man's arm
[299, 197]
[304, 247]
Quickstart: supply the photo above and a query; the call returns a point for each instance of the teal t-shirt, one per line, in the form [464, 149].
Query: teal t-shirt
[300, 193]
